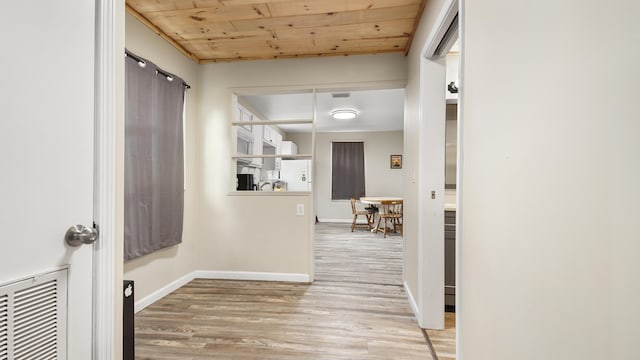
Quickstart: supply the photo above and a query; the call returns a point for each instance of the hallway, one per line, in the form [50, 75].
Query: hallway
[355, 309]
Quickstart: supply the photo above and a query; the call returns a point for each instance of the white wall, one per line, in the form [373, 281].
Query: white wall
[154, 271]
[549, 181]
[412, 162]
[302, 140]
[118, 237]
[380, 179]
[261, 233]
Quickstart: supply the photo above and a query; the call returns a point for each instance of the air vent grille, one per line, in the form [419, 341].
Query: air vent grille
[4, 314]
[32, 318]
[35, 322]
[340, 95]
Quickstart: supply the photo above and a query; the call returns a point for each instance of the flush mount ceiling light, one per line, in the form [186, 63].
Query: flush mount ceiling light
[344, 114]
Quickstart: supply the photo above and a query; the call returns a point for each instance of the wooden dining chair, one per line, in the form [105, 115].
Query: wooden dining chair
[357, 212]
[391, 214]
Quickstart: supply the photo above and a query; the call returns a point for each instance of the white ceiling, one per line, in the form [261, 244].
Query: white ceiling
[380, 110]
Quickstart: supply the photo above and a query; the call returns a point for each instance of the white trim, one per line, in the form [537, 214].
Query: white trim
[448, 12]
[162, 292]
[312, 214]
[430, 292]
[431, 251]
[104, 287]
[341, 221]
[218, 275]
[324, 87]
[268, 193]
[255, 276]
[412, 301]
[460, 181]
[35, 276]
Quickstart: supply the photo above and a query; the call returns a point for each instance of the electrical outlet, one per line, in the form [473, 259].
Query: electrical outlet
[300, 209]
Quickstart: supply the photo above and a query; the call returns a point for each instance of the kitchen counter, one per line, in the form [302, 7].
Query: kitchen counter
[268, 193]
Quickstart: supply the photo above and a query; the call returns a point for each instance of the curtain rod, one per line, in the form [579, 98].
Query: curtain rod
[160, 71]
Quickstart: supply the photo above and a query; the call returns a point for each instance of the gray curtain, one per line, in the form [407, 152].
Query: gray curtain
[347, 170]
[154, 180]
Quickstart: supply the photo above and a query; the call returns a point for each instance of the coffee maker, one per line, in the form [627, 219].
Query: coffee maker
[245, 182]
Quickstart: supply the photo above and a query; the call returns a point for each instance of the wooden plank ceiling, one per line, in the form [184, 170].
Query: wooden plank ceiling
[231, 30]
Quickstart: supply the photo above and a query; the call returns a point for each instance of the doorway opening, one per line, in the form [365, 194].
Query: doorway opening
[439, 155]
[379, 125]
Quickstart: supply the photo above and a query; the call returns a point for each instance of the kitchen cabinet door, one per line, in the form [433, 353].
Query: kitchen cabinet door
[268, 134]
[278, 143]
[450, 259]
[257, 144]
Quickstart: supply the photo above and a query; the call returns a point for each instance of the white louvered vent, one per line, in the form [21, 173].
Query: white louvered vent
[33, 318]
[4, 352]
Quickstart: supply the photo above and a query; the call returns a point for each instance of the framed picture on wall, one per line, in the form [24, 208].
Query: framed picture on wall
[396, 161]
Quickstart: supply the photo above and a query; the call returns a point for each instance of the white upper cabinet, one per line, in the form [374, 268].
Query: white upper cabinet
[257, 148]
[278, 141]
[289, 148]
[269, 135]
[260, 134]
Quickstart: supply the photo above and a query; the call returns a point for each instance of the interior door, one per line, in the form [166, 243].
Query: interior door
[46, 162]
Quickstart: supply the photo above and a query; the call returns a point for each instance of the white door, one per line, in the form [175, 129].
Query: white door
[46, 143]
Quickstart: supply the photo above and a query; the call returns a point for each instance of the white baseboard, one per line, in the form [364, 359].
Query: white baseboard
[220, 275]
[256, 276]
[342, 221]
[162, 292]
[412, 302]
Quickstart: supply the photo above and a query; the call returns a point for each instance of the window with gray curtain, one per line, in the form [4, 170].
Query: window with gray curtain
[154, 162]
[347, 170]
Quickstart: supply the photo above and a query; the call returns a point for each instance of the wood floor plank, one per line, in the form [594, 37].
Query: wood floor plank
[356, 309]
[444, 341]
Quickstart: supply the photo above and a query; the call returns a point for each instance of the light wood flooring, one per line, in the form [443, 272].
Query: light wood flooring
[444, 341]
[355, 309]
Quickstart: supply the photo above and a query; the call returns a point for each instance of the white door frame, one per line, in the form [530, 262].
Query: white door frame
[105, 202]
[430, 227]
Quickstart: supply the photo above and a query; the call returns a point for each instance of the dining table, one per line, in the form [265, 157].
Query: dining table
[450, 198]
[377, 200]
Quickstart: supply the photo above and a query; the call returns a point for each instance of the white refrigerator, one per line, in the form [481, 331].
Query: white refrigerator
[297, 174]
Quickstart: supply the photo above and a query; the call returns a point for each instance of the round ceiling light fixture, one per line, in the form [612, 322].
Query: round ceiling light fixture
[344, 114]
